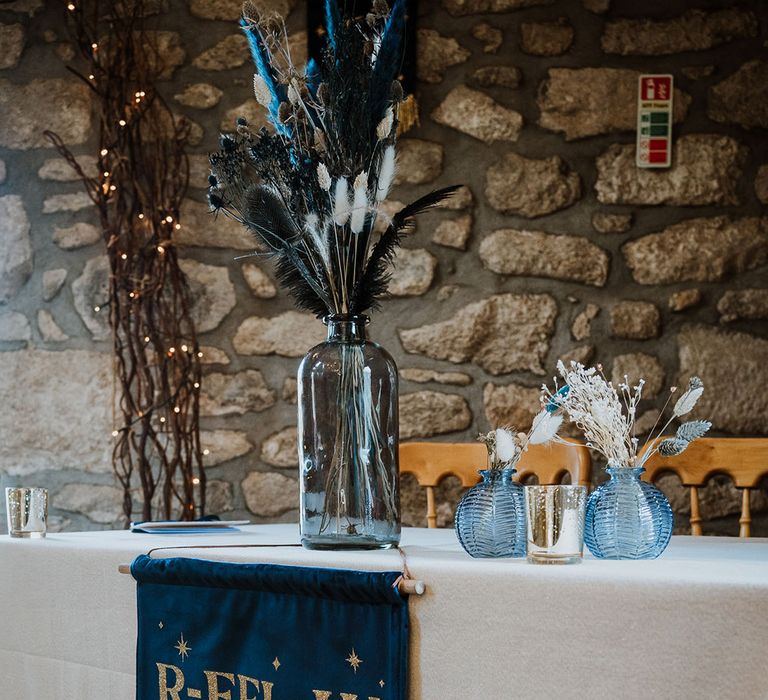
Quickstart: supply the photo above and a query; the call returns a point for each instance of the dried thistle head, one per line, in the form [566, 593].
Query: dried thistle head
[251, 12]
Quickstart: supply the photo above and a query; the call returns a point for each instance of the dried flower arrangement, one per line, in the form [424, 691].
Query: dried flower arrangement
[311, 190]
[505, 447]
[607, 414]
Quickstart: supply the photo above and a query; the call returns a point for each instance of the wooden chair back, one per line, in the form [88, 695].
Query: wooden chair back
[431, 462]
[744, 460]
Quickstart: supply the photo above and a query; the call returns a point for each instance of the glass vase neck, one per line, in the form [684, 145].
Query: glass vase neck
[625, 472]
[505, 474]
[346, 328]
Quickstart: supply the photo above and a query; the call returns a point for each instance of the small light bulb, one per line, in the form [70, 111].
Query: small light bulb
[162, 419]
[196, 385]
[146, 338]
[104, 151]
[169, 219]
[160, 249]
[70, 7]
[177, 227]
[171, 350]
[91, 76]
[200, 354]
[176, 409]
[124, 256]
[97, 309]
[206, 452]
[94, 45]
[122, 122]
[114, 433]
[132, 294]
[195, 481]
[106, 173]
[112, 188]
[141, 216]
[184, 348]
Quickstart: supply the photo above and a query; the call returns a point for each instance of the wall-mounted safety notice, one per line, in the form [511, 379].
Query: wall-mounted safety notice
[654, 121]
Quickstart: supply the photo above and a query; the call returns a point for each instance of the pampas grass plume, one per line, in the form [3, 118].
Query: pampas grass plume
[359, 203]
[341, 202]
[386, 174]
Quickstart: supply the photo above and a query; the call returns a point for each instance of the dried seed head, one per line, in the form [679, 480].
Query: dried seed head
[323, 94]
[397, 91]
[250, 11]
[293, 92]
[284, 112]
[320, 144]
[261, 91]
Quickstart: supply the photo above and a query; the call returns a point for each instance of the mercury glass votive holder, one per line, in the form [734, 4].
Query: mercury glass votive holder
[27, 510]
[555, 523]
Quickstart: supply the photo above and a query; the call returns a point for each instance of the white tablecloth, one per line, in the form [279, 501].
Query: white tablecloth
[693, 624]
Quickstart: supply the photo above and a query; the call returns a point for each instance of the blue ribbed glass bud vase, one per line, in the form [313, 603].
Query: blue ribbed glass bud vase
[627, 518]
[490, 518]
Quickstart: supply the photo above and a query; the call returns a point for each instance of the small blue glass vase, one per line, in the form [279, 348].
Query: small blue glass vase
[490, 518]
[627, 518]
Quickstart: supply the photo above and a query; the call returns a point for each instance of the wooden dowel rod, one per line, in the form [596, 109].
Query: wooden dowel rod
[406, 586]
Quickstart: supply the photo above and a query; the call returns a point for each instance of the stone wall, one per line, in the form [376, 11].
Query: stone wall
[559, 246]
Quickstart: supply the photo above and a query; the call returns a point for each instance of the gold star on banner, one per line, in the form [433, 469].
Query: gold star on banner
[183, 648]
[161, 624]
[381, 684]
[276, 663]
[354, 660]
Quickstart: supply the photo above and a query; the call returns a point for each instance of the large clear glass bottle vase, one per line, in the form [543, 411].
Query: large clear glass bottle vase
[348, 441]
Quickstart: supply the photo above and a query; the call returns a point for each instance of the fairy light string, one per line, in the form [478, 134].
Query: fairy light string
[137, 190]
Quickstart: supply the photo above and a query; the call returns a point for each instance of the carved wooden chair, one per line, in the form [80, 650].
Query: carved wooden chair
[431, 462]
[745, 460]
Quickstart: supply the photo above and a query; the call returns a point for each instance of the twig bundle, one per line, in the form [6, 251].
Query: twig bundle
[142, 178]
[310, 190]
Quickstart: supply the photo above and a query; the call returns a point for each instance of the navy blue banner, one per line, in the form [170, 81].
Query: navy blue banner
[220, 631]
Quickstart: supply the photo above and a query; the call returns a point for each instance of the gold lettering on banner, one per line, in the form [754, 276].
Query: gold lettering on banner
[348, 696]
[167, 693]
[214, 693]
[245, 680]
[194, 693]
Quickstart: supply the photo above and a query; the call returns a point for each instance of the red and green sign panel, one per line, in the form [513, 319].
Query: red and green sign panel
[654, 121]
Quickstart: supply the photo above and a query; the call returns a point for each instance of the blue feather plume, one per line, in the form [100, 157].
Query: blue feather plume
[332, 21]
[261, 60]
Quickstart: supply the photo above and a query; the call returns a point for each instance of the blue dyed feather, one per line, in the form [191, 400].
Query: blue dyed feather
[557, 399]
[312, 74]
[261, 60]
[332, 21]
[388, 60]
[313, 78]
